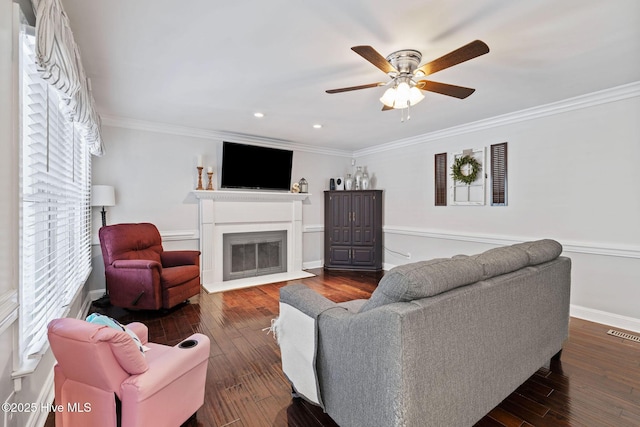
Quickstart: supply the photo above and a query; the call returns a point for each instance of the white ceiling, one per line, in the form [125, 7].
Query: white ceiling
[209, 65]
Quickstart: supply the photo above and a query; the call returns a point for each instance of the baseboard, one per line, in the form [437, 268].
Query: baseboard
[47, 394]
[312, 264]
[606, 318]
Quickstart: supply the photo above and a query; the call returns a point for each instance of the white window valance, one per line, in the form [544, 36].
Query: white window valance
[59, 59]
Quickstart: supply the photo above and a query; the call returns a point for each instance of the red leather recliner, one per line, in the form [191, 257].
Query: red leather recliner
[140, 274]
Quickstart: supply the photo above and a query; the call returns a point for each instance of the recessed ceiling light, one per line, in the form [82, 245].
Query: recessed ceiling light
[317, 126]
[259, 115]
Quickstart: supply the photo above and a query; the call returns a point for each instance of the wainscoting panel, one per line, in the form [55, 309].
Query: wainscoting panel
[605, 287]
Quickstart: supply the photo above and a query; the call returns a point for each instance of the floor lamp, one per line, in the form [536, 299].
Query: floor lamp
[103, 195]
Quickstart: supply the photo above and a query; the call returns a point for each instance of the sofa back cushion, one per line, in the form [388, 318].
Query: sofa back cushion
[540, 251]
[499, 261]
[428, 278]
[130, 241]
[423, 279]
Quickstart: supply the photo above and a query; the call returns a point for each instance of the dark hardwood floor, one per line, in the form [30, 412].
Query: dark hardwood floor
[596, 382]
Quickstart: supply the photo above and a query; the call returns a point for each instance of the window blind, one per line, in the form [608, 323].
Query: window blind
[55, 227]
[499, 174]
[440, 179]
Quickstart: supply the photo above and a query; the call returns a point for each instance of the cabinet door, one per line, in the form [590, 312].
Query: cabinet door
[363, 218]
[340, 256]
[363, 256]
[340, 219]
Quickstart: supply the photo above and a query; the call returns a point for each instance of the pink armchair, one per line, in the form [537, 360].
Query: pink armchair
[140, 274]
[103, 379]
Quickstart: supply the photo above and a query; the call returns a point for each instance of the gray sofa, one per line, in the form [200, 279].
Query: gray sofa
[439, 343]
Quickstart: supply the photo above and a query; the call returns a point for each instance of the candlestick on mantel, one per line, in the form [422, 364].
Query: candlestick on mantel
[210, 175]
[199, 187]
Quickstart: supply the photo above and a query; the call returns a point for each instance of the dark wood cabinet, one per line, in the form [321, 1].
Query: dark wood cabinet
[353, 230]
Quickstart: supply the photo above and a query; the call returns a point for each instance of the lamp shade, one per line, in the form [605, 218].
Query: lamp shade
[103, 195]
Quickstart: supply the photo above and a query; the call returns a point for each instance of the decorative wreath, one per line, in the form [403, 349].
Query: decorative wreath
[456, 169]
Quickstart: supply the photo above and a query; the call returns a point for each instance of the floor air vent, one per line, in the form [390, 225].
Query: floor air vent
[623, 335]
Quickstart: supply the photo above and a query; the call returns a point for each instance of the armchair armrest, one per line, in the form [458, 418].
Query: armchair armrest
[165, 369]
[177, 258]
[141, 331]
[136, 264]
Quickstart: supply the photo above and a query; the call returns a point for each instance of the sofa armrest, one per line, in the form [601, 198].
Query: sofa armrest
[141, 331]
[135, 264]
[306, 300]
[178, 258]
[168, 367]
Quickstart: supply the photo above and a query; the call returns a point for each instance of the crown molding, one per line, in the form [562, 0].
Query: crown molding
[147, 126]
[617, 93]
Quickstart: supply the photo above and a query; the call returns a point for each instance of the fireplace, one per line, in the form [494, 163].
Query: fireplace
[249, 213]
[253, 254]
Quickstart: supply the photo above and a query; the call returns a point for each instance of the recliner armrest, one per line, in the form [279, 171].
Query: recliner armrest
[136, 264]
[141, 331]
[178, 258]
[169, 366]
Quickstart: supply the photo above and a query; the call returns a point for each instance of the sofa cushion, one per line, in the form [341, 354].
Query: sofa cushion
[428, 278]
[503, 260]
[540, 251]
[423, 279]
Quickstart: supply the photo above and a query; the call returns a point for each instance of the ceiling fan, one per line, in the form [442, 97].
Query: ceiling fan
[408, 77]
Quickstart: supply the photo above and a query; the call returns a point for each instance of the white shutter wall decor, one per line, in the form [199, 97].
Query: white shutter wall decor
[55, 213]
[59, 59]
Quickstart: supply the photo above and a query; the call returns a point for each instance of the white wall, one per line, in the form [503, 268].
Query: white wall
[572, 176]
[154, 171]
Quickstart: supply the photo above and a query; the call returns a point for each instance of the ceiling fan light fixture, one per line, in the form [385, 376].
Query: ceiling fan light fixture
[389, 97]
[415, 95]
[402, 95]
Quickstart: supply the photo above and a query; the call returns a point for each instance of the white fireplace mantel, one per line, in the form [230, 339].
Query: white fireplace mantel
[222, 212]
[250, 196]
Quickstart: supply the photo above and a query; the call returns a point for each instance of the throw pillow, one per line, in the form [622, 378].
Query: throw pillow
[100, 319]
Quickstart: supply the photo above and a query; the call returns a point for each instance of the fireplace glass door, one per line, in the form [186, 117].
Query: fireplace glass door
[254, 254]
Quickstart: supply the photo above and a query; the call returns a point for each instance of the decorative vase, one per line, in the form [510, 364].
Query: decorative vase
[357, 178]
[348, 183]
[365, 181]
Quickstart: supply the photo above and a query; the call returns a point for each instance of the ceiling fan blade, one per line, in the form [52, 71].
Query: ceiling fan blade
[347, 89]
[445, 89]
[386, 108]
[372, 55]
[469, 51]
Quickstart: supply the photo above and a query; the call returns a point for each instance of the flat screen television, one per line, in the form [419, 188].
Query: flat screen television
[254, 167]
